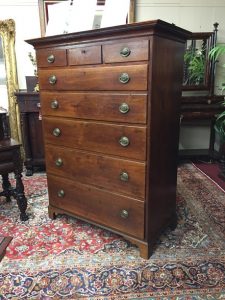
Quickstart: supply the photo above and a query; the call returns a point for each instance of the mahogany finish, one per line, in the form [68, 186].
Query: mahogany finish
[31, 126]
[110, 101]
[97, 106]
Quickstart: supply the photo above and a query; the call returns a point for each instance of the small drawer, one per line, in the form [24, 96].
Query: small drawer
[51, 57]
[120, 140]
[84, 55]
[98, 170]
[29, 106]
[118, 212]
[125, 51]
[115, 107]
[120, 78]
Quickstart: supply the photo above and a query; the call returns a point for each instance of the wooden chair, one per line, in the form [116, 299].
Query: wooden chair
[11, 161]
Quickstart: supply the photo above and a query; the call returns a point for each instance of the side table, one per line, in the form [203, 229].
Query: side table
[31, 126]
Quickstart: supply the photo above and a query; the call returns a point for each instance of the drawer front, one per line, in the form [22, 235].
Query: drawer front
[125, 51]
[132, 77]
[115, 211]
[84, 55]
[130, 108]
[29, 106]
[126, 141]
[51, 57]
[102, 171]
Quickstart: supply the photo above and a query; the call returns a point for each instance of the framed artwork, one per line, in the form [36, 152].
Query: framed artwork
[44, 16]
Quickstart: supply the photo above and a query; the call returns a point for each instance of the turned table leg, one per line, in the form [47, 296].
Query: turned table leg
[6, 186]
[20, 197]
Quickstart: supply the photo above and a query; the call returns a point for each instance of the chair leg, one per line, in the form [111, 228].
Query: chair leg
[6, 186]
[20, 197]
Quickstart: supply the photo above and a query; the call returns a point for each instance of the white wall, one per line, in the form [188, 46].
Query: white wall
[193, 15]
[26, 16]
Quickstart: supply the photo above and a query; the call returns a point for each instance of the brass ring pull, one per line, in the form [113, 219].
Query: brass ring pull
[52, 79]
[124, 176]
[61, 193]
[50, 58]
[125, 52]
[124, 78]
[56, 132]
[124, 214]
[54, 104]
[124, 141]
[124, 108]
[59, 162]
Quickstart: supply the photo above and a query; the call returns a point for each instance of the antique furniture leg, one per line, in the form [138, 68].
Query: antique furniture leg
[20, 197]
[6, 186]
[19, 190]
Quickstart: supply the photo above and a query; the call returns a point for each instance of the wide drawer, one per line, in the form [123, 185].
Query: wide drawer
[107, 172]
[126, 141]
[108, 209]
[51, 57]
[116, 107]
[133, 77]
[125, 51]
[29, 105]
[84, 55]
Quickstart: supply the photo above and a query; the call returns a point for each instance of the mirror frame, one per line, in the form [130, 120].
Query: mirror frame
[7, 33]
[43, 5]
[208, 39]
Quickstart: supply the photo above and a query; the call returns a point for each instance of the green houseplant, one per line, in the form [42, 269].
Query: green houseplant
[194, 60]
[215, 54]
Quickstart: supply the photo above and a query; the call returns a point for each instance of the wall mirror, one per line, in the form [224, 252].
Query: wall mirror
[198, 68]
[44, 5]
[8, 75]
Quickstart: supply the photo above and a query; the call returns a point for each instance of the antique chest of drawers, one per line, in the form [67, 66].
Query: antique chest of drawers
[110, 101]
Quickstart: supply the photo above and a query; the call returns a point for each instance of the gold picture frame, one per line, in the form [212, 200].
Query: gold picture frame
[43, 12]
[7, 36]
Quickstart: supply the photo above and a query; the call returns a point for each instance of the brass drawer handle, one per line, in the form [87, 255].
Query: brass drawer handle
[125, 52]
[124, 108]
[52, 79]
[124, 176]
[51, 59]
[59, 162]
[124, 214]
[124, 141]
[124, 78]
[54, 104]
[61, 193]
[56, 132]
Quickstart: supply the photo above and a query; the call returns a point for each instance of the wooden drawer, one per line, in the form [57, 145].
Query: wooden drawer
[95, 78]
[116, 107]
[99, 137]
[125, 51]
[98, 205]
[102, 171]
[29, 106]
[84, 55]
[51, 57]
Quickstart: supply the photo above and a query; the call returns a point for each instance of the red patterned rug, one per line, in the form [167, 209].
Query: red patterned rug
[70, 259]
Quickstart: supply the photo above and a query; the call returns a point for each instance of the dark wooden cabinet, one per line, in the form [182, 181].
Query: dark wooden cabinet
[110, 102]
[31, 125]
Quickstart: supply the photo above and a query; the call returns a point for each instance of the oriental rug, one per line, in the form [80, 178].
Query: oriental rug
[70, 259]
